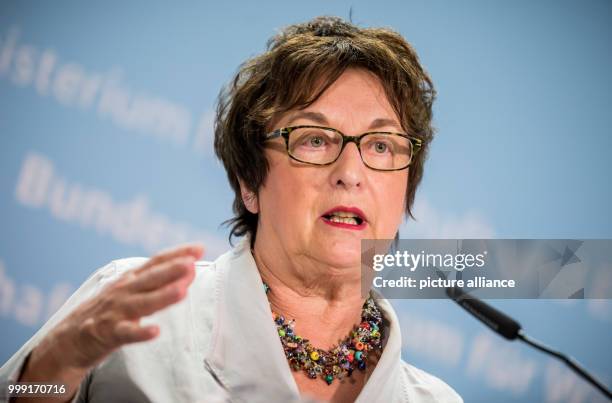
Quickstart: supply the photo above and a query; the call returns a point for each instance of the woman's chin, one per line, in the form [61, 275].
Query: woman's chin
[342, 254]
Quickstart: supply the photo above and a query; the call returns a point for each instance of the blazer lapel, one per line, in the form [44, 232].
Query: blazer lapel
[246, 354]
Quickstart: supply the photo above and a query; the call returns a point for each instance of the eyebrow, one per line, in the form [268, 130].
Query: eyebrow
[321, 119]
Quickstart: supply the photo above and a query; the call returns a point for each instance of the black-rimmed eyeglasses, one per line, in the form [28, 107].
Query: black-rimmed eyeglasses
[319, 145]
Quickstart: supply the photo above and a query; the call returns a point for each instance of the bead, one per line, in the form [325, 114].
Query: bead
[337, 362]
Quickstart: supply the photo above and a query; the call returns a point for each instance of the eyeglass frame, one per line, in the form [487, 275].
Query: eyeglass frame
[284, 132]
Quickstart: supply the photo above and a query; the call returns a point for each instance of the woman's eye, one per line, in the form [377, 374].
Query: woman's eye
[380, 147]
[316, 141]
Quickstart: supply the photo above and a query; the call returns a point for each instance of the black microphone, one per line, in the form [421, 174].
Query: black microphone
[511, 330]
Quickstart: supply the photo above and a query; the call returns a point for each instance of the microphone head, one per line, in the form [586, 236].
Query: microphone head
[496, 320]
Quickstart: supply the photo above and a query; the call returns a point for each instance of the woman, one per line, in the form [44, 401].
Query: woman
[323, 138]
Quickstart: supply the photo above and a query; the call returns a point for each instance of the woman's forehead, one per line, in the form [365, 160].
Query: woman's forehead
[356, 94]
[320, 118]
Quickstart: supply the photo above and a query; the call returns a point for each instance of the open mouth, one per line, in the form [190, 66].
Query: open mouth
[345, 217]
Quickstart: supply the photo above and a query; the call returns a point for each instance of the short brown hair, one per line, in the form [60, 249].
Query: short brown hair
[300, 63]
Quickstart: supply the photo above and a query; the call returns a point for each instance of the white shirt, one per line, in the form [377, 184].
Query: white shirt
[220, 344]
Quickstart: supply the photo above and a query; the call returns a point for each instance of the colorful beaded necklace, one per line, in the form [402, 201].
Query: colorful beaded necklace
[350, 354]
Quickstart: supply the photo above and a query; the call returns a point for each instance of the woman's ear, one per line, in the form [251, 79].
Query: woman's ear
[249, 198]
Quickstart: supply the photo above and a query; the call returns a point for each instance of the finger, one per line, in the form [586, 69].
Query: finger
[144, 304]
[131, 332]
[195, 250]
[162, 274]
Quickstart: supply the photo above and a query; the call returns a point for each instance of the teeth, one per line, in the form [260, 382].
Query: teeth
[343, 214]
[344, 220]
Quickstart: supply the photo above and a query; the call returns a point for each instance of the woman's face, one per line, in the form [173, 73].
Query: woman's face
[295, 201]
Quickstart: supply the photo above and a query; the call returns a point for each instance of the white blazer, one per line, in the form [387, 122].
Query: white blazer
[220, 344]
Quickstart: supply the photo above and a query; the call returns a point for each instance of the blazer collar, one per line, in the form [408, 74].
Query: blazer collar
[246, 355]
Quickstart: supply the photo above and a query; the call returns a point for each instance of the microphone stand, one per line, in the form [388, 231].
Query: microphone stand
[507, 327]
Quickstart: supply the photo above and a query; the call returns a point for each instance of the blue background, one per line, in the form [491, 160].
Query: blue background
[522, 151]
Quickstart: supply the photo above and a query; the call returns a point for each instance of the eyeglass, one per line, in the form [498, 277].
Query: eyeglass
[318, 145]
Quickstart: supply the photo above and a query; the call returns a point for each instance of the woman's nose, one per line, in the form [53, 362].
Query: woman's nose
[348, 170]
